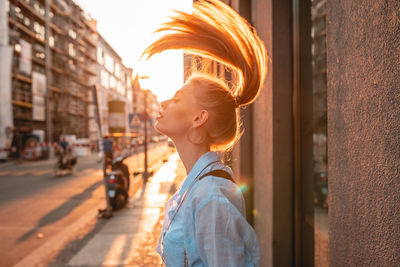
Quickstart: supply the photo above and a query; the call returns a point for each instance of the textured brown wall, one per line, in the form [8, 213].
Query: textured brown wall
[363, 45]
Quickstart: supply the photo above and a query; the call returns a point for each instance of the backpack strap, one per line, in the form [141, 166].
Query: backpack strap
[219, 173]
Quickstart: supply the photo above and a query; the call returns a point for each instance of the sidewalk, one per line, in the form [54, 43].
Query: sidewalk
[130, 236]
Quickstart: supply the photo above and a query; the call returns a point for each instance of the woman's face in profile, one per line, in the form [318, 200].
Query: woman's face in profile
[175, 117]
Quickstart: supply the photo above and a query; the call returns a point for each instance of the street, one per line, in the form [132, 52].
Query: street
[36, 206]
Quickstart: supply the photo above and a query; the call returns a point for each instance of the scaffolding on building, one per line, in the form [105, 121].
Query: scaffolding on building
[72, 68]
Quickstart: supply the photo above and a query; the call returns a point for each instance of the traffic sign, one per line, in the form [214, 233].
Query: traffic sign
[134, 120]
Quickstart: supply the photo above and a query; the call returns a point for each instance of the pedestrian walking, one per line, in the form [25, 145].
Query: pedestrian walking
[204, 223]
[108, 150]
[64, 144]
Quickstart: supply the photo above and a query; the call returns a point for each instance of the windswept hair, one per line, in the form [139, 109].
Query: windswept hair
[216, 31]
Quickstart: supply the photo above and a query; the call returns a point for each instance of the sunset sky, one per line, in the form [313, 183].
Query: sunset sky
[128, 27]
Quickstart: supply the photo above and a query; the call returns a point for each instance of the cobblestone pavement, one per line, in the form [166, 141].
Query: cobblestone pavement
[146, 254]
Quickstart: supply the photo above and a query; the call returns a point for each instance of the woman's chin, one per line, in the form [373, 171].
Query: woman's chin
[157, 127]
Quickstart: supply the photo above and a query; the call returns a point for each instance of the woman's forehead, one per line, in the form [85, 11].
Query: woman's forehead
[185, 90]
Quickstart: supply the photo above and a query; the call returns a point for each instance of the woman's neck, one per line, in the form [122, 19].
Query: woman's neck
[189, 152]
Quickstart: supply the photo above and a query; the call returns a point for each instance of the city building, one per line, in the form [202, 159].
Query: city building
[153, 108]
[59, 49]
[54, 47]
[145, 105]
[114, 92]
[193, 64]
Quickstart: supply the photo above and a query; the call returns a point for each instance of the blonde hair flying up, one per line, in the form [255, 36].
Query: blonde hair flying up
[216, 31]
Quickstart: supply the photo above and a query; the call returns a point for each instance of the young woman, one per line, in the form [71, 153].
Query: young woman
[204, 222]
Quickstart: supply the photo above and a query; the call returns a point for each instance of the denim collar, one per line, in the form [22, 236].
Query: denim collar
[200, 167]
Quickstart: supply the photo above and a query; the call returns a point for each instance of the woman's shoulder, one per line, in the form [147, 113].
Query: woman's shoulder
[214, 188]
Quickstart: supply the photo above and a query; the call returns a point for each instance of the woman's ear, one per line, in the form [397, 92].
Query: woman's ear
[200, 119]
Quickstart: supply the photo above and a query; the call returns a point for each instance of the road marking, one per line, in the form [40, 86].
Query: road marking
[37, 173]
[20, 173]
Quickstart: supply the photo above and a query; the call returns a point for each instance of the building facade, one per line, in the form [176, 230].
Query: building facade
[54, 47]
[115, 93]
[320, 151]
[144, 102]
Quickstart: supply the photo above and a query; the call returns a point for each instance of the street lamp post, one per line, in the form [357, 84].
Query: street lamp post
[145, 174]
[145, 118]
[49, 125]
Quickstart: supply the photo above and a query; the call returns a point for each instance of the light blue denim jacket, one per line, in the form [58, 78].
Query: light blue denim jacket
[209, 226]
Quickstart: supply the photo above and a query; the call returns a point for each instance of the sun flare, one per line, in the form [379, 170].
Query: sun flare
[164, 72]
[129, 28]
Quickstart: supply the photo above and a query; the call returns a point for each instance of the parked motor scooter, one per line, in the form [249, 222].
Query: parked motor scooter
[117, 183]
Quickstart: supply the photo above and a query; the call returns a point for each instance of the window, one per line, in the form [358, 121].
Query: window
[18, 13]
[109, 63]
[39, 29]
[113, 83]
[117, 70]
[51, 41]
[100, 56]
[17, 47]
[121, 88]
[27, 22]
[72, 34]
[104, 76]
[71, 64]
[38, 8]
[71, 50]
[129, 94]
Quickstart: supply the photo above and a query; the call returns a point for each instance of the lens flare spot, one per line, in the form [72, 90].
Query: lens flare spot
[242, 188]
